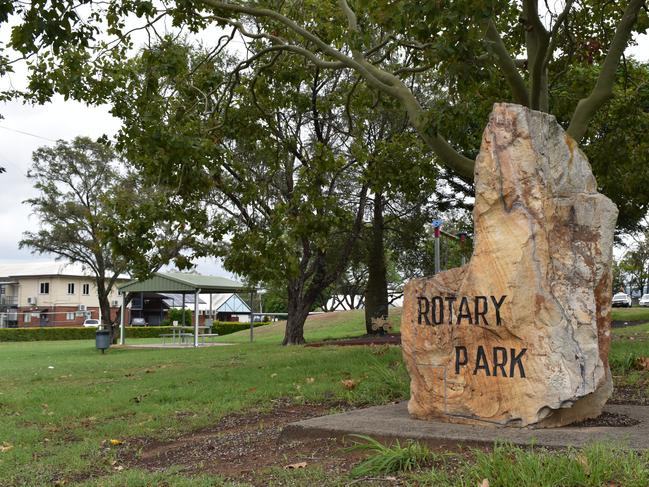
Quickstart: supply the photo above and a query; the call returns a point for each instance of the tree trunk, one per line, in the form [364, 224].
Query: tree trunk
[298, 310]
[104, 306]
[376, 293]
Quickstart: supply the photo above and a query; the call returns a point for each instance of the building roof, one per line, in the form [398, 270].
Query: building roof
[173, 299]
[221, 302]
[46, 268]
[170, 282]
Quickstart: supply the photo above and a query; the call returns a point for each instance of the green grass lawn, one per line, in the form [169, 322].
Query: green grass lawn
[60, 400]
[320, 327]
[635, 313]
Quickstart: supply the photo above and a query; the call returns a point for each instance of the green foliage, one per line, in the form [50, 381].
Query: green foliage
[633, 267]
[175, 314]
[390, 459]
[615, 142]
[275, 300]
[76, 184]
[45, 333]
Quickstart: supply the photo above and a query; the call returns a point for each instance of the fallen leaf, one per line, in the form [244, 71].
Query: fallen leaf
[485, 483]
[643, 362]
[5, 447]
[273, 375]
[349, 384]
[119, 468]
[252, 389]
[584, 462]
[293, 466]
[310, 380]
[116, 442]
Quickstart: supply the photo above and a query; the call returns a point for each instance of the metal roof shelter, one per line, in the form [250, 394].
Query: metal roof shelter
[179, 282]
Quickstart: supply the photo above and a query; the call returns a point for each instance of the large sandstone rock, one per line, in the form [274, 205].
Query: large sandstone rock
[520, 335]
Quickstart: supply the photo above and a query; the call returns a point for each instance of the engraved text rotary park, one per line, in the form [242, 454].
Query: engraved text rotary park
[497, 362]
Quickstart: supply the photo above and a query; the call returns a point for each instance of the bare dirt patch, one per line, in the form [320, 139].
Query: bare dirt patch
[630, 394]
[607, 419]
[241, 446]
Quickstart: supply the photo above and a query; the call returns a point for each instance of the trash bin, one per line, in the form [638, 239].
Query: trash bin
[102, 340]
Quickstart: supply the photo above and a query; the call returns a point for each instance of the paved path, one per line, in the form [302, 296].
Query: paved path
[393, 422]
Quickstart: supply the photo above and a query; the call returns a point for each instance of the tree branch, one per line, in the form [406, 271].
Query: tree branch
[603, 90]
[554, 31]
[507, 64]
[537, 40]
[376, 77]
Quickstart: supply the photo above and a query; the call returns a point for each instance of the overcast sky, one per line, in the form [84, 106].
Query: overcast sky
[25, 128]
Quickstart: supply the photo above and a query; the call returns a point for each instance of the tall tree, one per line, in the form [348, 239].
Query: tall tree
[76, 182]
[274, 169]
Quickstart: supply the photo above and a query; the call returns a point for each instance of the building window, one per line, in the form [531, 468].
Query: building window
[70, 288]
[45, 288]
[28, 317]
[69, 316]
[2, 290]
[85, 289]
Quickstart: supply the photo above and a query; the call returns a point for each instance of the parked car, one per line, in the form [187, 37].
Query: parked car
[622, 299]
[91, 323]
[138, 322]
[644, 300]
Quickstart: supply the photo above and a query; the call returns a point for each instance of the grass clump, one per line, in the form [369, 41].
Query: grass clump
[624, 362]
[506, 465]
[390, 459]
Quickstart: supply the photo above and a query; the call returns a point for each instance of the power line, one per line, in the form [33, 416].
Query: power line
[27, 133]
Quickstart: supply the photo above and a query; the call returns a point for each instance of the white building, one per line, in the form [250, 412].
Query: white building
[49, 293]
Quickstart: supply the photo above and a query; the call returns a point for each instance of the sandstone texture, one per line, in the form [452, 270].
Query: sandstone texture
[520, 335]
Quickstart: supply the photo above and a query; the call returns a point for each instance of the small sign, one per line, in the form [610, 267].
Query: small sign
[437, 223]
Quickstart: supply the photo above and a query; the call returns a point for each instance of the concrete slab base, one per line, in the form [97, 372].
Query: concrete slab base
[392, 422]
[160, 346]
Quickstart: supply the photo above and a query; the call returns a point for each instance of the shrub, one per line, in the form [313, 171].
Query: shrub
[41, 334]
[175, 314]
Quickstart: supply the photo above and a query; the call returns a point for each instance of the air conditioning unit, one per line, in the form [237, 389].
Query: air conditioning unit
[31, 301]
[82, 307]
[114, 303]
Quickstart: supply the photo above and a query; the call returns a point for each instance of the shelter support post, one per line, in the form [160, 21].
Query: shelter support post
[122, 331]
[196, 310]
[252, 317]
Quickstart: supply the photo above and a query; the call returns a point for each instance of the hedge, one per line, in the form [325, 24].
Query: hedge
[80, 333]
